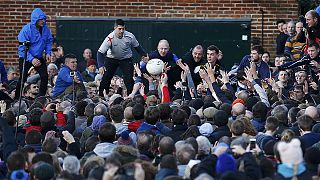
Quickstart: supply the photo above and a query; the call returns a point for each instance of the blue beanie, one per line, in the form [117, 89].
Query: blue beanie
[226, 162]
[97, 122]
[19, 175]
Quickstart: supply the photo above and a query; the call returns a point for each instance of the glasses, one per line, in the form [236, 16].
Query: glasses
[35, 87]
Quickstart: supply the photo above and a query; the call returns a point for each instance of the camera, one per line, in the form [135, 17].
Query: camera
[72, 74]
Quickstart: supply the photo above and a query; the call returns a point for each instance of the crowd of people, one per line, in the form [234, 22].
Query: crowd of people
[66, 117]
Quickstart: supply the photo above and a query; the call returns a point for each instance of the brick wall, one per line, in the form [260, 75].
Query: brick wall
[16, 13]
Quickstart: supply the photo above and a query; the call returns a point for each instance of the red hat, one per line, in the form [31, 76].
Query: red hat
[238, 101]
[91, 62]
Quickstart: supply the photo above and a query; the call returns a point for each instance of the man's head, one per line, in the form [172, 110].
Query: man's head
[311, 18]
[33, 89]
[305, 123]
[12, 74]
[313, 50]
[71, 61]
[283, 76]
[238, 109]
[284, 28]
[291, 28]
[179, 116]
[299, 27]
[166, 145]
[107, 132]
[116, 113]
[212, 54]
[33, 137]
[312, 112]
[300, 77]
[280, 24]
[266, 57]
[87, 54]
[119, 28]
[298, 93]
[197, 53]
[52, 69]
[16, 161]
[163, 47]
[256, 53]
[279, 60]
[91, 65]
[92, 89]
[151, 115]
[272, 124]
[40, 23]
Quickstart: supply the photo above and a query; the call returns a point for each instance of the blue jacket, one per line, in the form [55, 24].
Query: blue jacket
[262, 68]
[38, 42]
[3, 73]
[64, 80]
[145, 127]
[258, 124]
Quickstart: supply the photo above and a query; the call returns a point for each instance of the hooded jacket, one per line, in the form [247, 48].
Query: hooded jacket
[64, 80]
[38, 41]
[104, 149]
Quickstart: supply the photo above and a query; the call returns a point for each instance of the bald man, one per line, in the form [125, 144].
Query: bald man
[163, 52]
[312, 112]
[237, 110]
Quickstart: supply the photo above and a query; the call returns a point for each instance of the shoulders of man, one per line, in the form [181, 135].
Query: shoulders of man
[128, 34]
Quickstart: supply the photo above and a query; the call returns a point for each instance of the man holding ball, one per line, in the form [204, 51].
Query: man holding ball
[114, 52]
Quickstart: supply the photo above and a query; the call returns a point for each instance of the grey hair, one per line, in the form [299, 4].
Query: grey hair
[204, 145]
[100, 109]
[280, 112]
[52, 65]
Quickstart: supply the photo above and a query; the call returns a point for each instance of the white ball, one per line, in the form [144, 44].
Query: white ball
[155, 66]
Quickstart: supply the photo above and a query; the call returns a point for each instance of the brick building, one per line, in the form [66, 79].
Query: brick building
[16, 13]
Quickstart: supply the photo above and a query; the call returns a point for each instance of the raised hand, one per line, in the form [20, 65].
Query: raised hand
[164, 78]
[183, 76]
[203, 74]
[166, 67]
[225, 77]
[249, 75]
[149, 78]
[101, 70]
[137, 69]
[145, 59]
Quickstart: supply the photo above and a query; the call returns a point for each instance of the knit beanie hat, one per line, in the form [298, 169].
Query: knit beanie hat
[97, 122]
[44, 171]
[91, 62]
[262, 139]
[226, 162]
[71, 164]
[19, 175]
[125, 139]
[238, 101]
[206, 129]
[209, 112]
[290, 153]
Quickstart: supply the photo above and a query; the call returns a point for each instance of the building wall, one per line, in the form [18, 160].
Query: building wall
[16, 13]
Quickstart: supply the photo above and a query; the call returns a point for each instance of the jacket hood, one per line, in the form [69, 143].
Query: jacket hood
[104, 149]
[36, 15]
